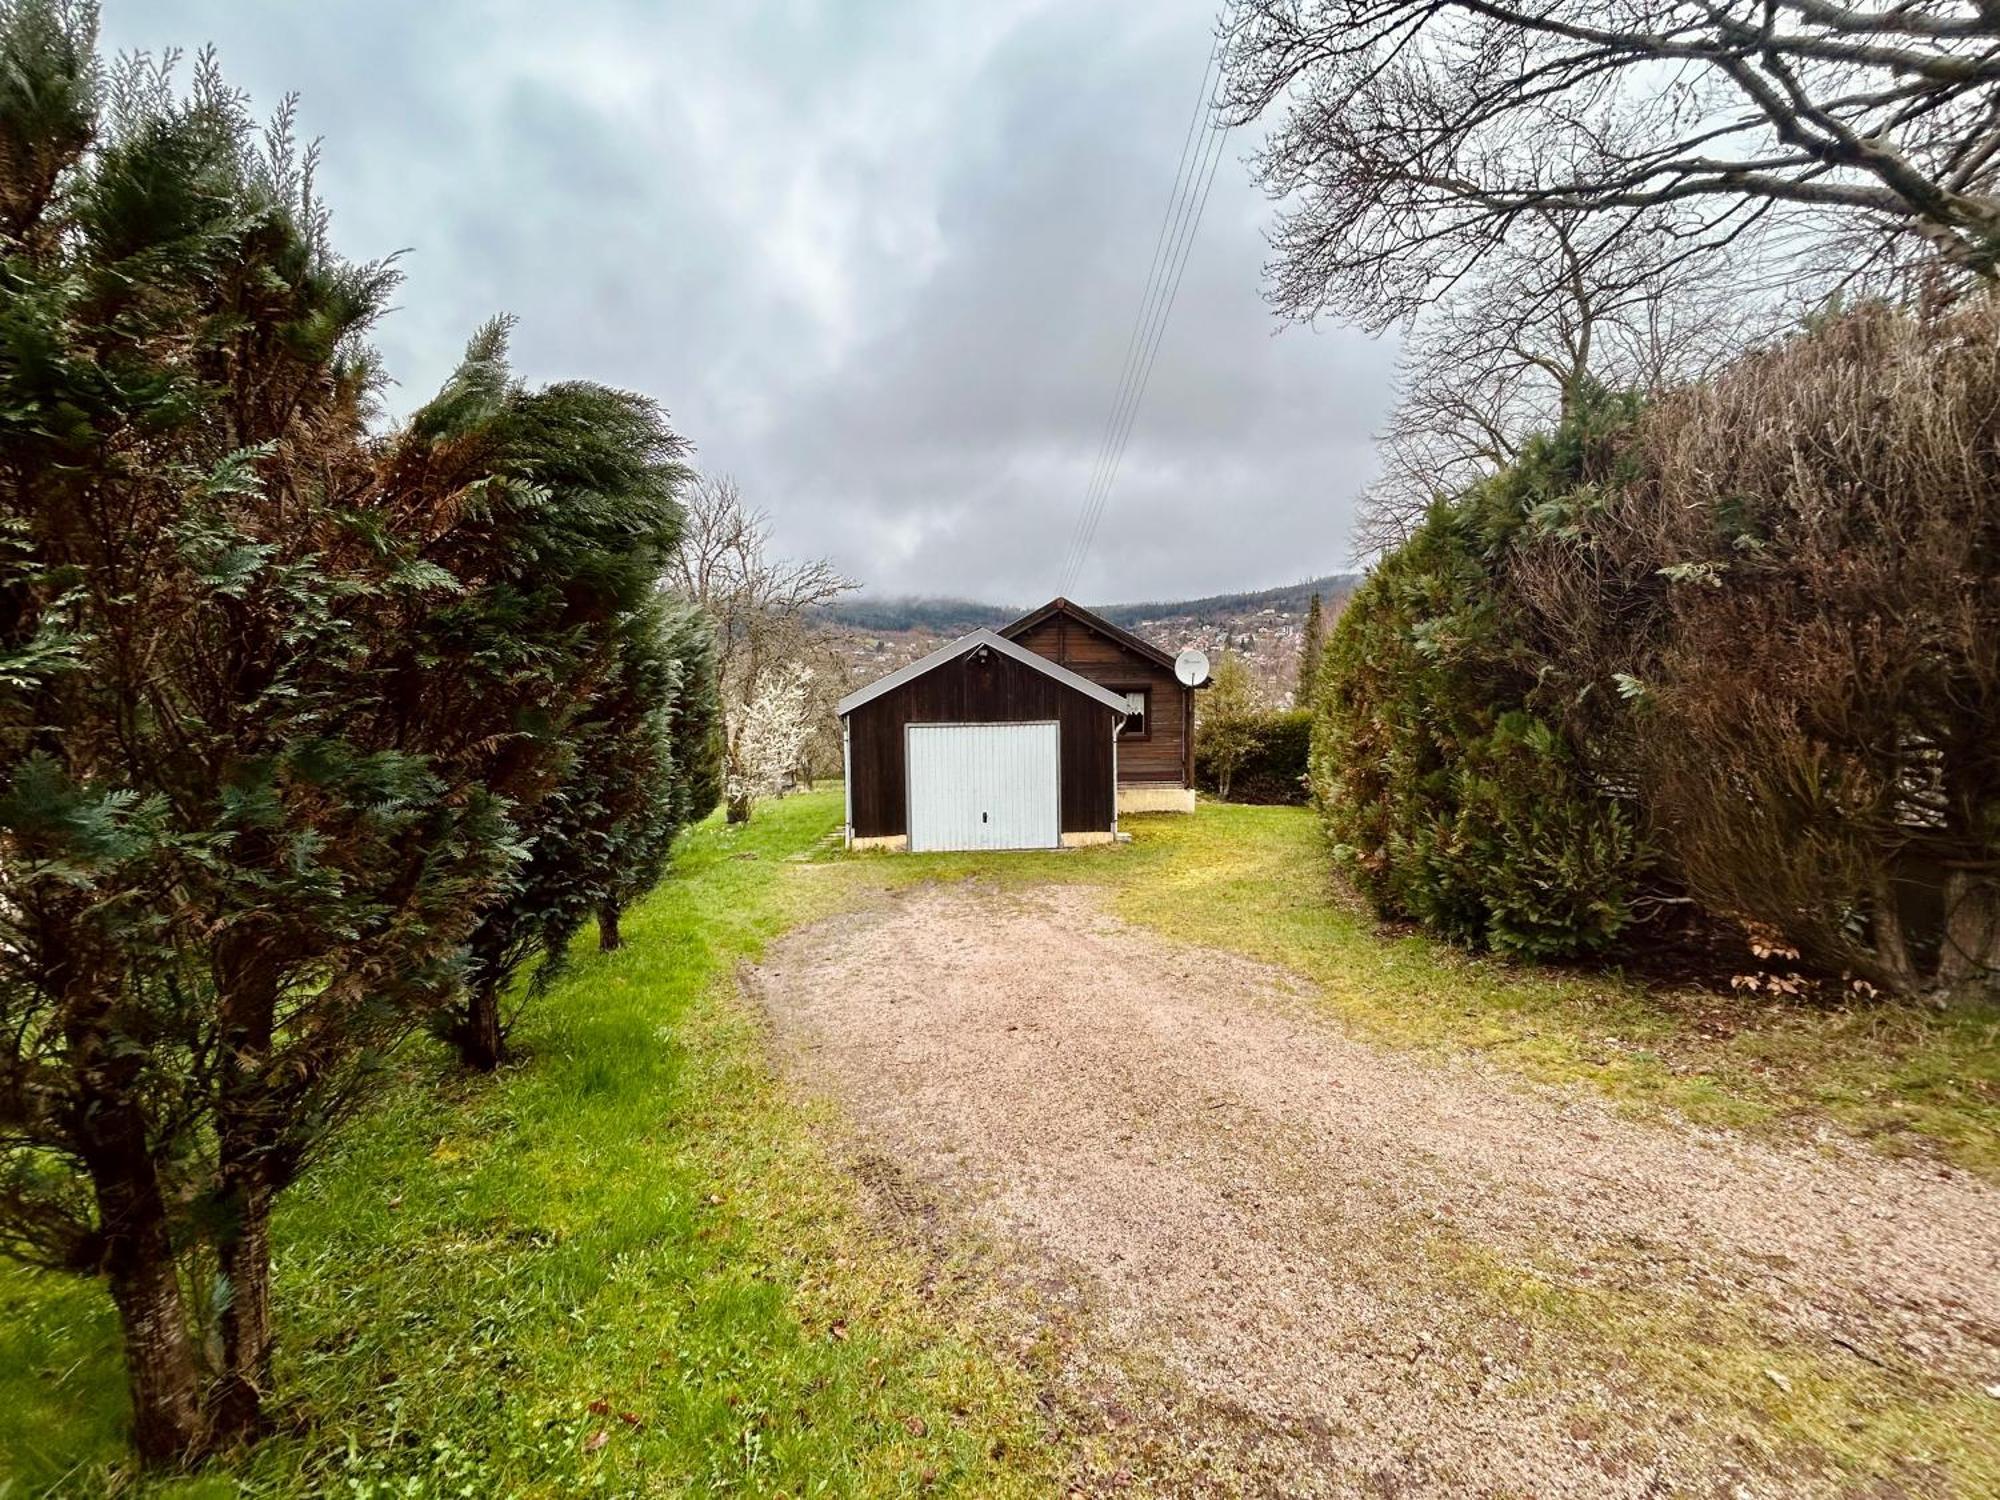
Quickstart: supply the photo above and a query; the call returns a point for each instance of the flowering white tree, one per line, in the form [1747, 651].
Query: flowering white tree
[766, 735]
[762, 609]
[763, 615]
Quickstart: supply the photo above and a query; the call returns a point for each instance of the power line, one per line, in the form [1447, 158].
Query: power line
[1174, 226]
[1197, 129]
[1144, 332]
[1096, 511]
[1178, 226]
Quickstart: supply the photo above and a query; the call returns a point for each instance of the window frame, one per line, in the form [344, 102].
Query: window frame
[1145, 690]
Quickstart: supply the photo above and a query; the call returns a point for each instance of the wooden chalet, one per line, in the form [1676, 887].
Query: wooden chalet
[1156, 746]
[1036, 736]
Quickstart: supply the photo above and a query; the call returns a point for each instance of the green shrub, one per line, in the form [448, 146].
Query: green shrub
[1272, 768]
[1787, 645]
[1754, 627]
[1452, 799]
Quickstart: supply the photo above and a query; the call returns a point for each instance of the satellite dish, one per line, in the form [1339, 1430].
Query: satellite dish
[1191, 666]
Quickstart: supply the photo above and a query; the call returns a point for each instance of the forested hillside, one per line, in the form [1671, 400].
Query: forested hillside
[956, 616]
[1265, 627]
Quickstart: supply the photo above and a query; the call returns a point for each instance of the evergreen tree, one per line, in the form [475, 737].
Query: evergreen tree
[269, 688]
[1311, 644]
[697, 713]
[584, 574]
[1454, 793]
[667, 764]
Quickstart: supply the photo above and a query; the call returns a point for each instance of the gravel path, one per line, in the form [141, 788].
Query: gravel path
[1290, 1262]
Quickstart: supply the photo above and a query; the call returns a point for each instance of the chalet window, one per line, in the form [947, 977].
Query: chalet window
[1138, 713]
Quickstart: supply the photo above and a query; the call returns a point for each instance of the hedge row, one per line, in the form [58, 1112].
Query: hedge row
[1450, 801]
[1273, 770]
[1739, 647]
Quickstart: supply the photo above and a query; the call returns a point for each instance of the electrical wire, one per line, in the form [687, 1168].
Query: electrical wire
[1095, 508]
[1128, 366]
[1201, 150]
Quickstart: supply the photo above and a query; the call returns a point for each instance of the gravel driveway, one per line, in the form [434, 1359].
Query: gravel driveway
[1271, 1258]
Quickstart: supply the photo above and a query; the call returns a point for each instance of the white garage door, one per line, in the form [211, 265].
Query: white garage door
[985, 786]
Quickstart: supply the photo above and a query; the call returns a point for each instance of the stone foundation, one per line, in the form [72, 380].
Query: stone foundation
[1152, 797]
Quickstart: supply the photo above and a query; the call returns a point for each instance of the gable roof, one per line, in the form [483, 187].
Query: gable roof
[1089, 621]
[952, 650]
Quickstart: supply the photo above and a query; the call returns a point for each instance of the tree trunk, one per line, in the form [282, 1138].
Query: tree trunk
[609, 938]
[477, 1034]
[248, 1132]
[139, 1264]
[236, 1403]
[135, 1244]
[1970, 954]
[1892, 952]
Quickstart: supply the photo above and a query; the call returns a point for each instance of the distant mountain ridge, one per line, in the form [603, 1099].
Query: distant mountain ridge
[957, 616]
[1286, 598]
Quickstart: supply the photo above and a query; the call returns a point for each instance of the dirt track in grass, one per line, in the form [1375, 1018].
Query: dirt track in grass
[1271, 1258]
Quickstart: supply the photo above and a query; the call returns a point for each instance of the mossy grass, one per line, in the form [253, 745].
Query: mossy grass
[624, 1266]
[1855, 1423]
[486, 1276]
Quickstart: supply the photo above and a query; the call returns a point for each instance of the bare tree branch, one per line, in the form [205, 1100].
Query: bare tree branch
[1413, 136]
[1567, 301]
[760, 607]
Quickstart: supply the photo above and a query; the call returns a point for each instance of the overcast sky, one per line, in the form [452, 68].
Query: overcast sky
[879, 261]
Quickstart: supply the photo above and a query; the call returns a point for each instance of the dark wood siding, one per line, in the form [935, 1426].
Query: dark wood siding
[1161, 757]
[995, 689]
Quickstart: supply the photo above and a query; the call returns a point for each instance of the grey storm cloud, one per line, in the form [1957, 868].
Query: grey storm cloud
[879, 261]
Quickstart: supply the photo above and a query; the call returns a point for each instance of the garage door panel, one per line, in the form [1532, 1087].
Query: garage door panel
[984, 786]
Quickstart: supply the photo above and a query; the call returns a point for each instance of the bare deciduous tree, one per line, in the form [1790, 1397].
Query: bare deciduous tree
[1563, 303]
[760, 607]
[832, 678]
[1418, 134]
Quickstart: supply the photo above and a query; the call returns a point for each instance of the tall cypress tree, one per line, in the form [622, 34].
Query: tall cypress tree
[1312, 644]
[665, 768]
[271, 689]
[585, 570]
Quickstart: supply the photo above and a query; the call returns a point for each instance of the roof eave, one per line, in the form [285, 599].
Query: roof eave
[952, 650]
[1090, 621]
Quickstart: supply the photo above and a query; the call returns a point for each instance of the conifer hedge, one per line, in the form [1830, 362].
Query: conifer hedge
[1271, 768]
[1736, 649]
[306, 717]
[1450, 799]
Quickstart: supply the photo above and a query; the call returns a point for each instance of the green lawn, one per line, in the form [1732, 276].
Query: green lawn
[628, 1265]
[1905, 1078]
[623, 1267]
